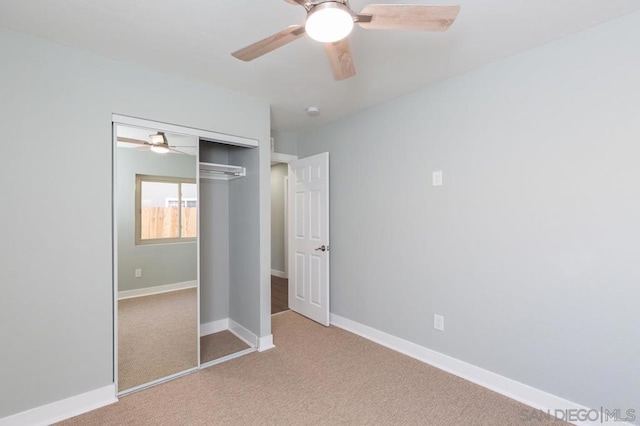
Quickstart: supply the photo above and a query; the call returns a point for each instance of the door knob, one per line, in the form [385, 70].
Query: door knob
[322, 248]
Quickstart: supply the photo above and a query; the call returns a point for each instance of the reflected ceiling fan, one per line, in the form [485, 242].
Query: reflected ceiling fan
[157, 143]
[330, 22]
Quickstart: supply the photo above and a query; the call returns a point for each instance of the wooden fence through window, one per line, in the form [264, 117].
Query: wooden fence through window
[162, 222]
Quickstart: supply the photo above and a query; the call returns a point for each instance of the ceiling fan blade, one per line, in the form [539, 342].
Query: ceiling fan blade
[409, 17]
[270, 43]
[340, 59]
[132, 140]
[138, 144]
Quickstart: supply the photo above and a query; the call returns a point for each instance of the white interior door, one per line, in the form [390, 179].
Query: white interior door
[309, 237]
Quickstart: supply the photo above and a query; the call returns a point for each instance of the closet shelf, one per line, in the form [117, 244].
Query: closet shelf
[221, 171]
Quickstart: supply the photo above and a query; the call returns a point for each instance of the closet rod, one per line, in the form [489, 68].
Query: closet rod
[221, 171]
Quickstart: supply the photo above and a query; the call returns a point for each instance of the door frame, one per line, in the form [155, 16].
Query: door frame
[280, 158]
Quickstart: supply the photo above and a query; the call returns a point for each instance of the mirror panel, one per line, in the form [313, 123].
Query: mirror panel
[156, 204]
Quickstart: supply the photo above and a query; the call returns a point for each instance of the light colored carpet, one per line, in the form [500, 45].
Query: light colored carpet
[157, 337]
[314, 376]
[217, 345]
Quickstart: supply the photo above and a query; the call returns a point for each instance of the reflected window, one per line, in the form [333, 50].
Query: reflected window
[166, 209]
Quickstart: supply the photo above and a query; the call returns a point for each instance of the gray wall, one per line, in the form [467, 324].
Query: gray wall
[244, 244]
[285, 141]
[530, 248]
[56, 324]
[278, 172]
[214, 250]
[214, 238]
[160, 263]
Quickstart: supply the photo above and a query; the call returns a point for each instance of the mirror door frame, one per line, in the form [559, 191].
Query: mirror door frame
[123, 120]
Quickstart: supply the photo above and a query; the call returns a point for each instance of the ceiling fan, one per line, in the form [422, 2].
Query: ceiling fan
[157, 143]
[331, 21]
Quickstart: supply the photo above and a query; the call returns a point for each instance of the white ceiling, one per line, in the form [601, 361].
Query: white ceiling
[194, 39]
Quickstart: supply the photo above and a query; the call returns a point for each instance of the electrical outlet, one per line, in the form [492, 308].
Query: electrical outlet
[437, 178]
[138, 273]
[438, 322]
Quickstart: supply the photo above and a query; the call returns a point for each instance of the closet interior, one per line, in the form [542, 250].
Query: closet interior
[224, 192]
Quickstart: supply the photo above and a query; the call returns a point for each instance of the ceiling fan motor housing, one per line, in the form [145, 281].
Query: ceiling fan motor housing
[314, 3]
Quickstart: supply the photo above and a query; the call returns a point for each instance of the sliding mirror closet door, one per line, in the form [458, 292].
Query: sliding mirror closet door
[156, 204]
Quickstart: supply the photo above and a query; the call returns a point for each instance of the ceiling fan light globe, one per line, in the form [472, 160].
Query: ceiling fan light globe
[159, 149]
[329, 22]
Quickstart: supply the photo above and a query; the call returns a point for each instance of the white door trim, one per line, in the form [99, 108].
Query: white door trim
[286, 226]
[277, 157]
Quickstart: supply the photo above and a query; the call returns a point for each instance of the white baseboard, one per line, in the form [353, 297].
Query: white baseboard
[243, 334]
[526, 394]
[63, 409]
[214, 327]
[239, 331]
[279, 274]
[265, 343]
[148, 291]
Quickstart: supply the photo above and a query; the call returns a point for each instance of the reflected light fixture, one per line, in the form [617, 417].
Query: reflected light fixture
[159, 143]
[160, 149]
[329, 22]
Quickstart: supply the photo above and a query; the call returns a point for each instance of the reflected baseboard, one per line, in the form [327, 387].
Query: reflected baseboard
[243, 334]
[228, 324]
[148, 291]
[214, 327]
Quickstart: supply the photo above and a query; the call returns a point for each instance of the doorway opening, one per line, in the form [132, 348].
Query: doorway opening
[279, 232]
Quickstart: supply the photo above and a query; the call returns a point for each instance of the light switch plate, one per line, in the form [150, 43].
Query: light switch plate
[438, 322]
[437, 178]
